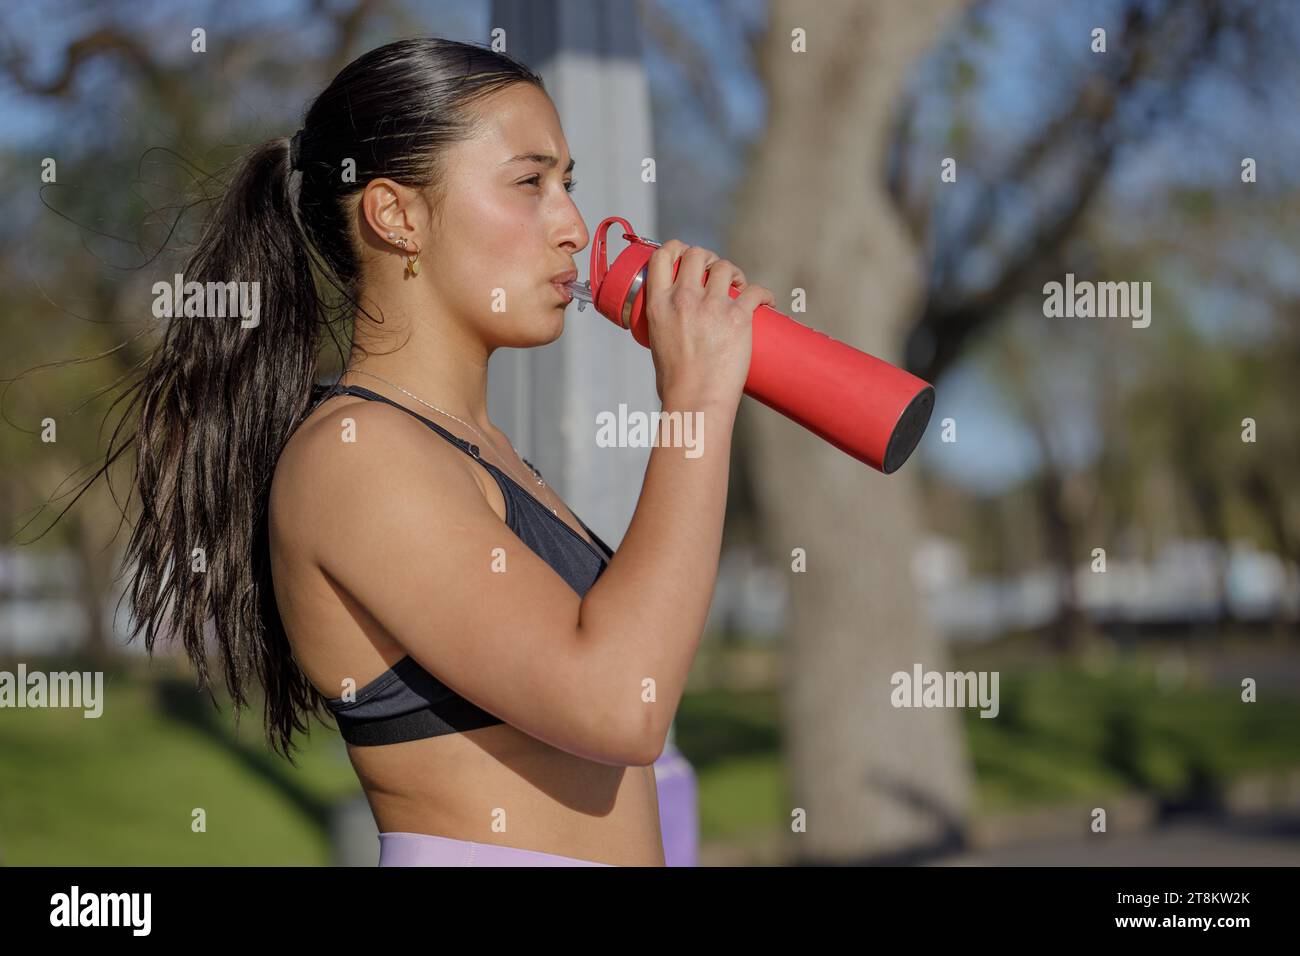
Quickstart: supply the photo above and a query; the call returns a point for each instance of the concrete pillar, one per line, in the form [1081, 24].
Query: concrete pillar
[547, 398]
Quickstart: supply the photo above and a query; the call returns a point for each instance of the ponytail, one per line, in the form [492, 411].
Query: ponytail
[218, 402]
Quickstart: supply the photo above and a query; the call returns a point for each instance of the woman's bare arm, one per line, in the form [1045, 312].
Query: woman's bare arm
[398, 521]
[643, 619]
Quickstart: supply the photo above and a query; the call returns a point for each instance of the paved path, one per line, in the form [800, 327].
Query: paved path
[1194, 843]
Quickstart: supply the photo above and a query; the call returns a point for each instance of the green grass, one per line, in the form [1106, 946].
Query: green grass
[1062, 733]
[1067, 733]
[733, 742]
[120, 789]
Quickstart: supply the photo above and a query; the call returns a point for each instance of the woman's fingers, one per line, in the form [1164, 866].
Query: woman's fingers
[659, 271]
[722, 275]
[695, 261]
[753, 296]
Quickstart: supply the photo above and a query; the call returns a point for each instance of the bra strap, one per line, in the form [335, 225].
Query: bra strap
[362, 392]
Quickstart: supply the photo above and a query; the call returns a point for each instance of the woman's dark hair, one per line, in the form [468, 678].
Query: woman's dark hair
[218, 401]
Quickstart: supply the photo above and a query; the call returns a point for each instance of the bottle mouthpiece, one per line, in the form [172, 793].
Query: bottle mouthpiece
[581, 292]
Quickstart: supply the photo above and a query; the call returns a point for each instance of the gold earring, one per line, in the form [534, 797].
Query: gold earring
[413, 261]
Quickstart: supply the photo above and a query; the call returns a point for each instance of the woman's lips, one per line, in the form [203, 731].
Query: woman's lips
[564, 293]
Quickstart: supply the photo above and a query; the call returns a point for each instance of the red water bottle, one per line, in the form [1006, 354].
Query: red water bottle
[864, 406]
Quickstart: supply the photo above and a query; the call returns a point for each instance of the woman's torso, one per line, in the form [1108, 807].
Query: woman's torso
[454, 785]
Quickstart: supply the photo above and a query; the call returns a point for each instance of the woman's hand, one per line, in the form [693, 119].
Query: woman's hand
[700, 337]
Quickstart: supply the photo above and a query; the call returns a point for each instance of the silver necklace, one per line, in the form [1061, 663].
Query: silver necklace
[536, 477]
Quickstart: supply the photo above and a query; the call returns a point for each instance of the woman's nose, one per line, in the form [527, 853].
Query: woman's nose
[575, 237]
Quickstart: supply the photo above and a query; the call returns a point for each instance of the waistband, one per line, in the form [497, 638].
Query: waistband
[397, 848]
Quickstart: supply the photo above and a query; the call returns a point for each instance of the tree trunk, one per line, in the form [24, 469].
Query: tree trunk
[875, 781]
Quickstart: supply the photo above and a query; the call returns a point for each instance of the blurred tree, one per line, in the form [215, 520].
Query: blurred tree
[1046, 194]
[83, 307]
[876, 781]
[1026, 201]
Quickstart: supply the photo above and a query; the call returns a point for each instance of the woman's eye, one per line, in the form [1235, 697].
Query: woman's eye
[537, 181]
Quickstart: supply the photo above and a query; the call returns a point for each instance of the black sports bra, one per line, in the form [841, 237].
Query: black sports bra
[406, 702]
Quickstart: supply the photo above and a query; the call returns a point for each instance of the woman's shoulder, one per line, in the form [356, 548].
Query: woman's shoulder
[348, 448]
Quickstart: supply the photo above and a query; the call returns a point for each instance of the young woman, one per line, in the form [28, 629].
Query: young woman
[504, 682]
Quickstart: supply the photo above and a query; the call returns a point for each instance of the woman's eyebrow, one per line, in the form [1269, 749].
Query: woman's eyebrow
[543, 158]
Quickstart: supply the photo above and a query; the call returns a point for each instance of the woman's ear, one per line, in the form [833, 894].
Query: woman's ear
[386, 206]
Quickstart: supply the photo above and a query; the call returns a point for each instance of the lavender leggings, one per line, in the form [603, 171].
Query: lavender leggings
[425, 849]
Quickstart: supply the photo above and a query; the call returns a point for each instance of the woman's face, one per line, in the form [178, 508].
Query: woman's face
[508, 225]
